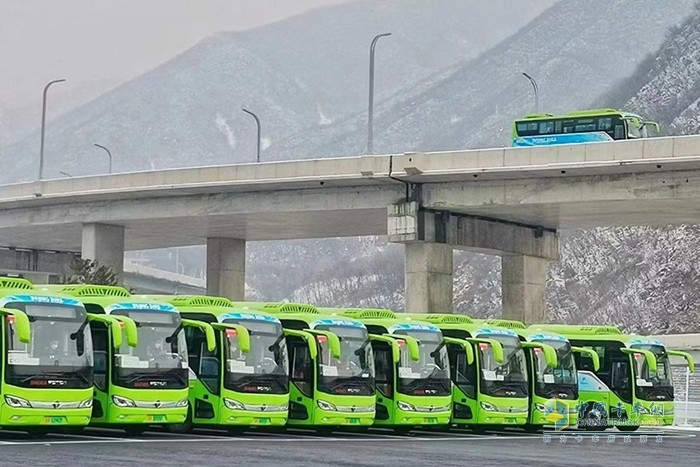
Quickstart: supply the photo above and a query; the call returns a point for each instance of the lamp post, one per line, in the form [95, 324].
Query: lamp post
[370, 110]
[43, 126]
[257, 122]
[109, 154]
[536, 88]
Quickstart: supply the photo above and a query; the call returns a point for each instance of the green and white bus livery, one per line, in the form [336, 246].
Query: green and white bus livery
[46, 364]
[244, 381]
[492, 390]
[331, 367]
[412, 370]
[145, 380]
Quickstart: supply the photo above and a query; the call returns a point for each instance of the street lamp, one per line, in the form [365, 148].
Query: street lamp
[257, 122]
[43, 126]
[109, 154]
[536, 88]
[370, 112]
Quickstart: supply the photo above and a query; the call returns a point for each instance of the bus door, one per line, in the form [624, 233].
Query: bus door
[206, 375]
[464, 379]
[386, 356]
[303, 352]
[107, 334]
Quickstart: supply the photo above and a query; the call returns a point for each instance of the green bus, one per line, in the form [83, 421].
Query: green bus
[331, 367]
[492, 390]
[145, 380]
[244, 381]
[554, 396]
[46, 360]
[412, 369]
[587, 126]
[632, 386]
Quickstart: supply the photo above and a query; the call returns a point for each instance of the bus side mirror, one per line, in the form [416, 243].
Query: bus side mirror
[128, 325]
[21, 322]
[550, 355]
[209, 333]
[467, 346]
[113, 324]
[688, 358]
[592, 354]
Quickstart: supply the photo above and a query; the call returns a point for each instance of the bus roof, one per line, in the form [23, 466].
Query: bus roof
[506, 323]
[21, 290]
[110, 298]
[440, 318]
[218, 308]
[279, 307]
[13, 284]
[580, 113]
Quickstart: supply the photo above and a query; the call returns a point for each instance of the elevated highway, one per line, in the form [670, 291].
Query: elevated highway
[508, 201]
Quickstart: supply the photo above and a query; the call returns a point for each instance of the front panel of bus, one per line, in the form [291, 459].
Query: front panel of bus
[423, 390]
[236, 388]
[653, 390]
[503, 387]
[146, 384]
[330, 391]
[549, 386]
[47, 381]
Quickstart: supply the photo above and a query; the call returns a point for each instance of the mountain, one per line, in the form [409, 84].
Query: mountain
[575, 50]
[308, 70]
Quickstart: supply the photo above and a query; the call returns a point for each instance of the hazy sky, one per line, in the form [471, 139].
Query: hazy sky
[97, 44]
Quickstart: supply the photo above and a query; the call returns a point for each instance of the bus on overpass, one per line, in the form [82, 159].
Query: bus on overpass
[587, 126]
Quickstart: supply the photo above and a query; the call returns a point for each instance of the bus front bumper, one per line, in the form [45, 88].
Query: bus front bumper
[16, 417]
[145, 416]
[244, 417]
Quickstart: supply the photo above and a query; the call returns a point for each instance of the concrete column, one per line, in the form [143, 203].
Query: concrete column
[105, 244]
[428, 279]
[523, 280]
[226, 268]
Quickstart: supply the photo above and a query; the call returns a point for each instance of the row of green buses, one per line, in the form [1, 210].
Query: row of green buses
[79, 355]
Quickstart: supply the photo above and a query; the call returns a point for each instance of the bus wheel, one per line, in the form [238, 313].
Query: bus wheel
[184, 427]
[627, 428]
[135, 430]
[402, 430]
[37, 433]
[529, 428]
[324, 431]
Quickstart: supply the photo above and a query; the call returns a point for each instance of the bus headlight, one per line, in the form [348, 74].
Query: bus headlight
[488, 407]
[540, 407]
[233, 405]
[17, 402]
[182, 403]
[86, 404]
[120, 401]
[405, 406]
[323, 405]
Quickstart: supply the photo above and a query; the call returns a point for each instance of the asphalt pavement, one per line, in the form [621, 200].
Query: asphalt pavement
[375, 448]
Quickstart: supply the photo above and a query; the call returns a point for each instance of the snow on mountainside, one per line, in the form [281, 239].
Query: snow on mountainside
[576, 51]
[308, 70]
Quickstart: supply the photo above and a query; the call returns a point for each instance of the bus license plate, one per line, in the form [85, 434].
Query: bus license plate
[261, 421]
[430, 420]
[156, 418]
[54, 420]
[352, 421]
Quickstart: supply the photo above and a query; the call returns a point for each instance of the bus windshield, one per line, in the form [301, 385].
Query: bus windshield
[59, 353]
[561, 381]
[353, 372]
[159, 361]
[650, 385]
[507, 379]
[265, 368]
[430, 375]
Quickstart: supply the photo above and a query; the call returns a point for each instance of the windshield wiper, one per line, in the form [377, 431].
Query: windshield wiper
[80, 330]
[275, 345]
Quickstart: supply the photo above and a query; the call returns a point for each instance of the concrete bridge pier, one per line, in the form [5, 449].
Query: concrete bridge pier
[429, 237]
[105, 244]
[226, 268]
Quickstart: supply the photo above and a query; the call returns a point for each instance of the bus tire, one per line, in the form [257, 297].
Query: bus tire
[530, 428]
[36, 433]
[628, 427]
[136, 430]
[184, 427]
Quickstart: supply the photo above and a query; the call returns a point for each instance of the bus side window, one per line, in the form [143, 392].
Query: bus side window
[100, 346]
[463, 374]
